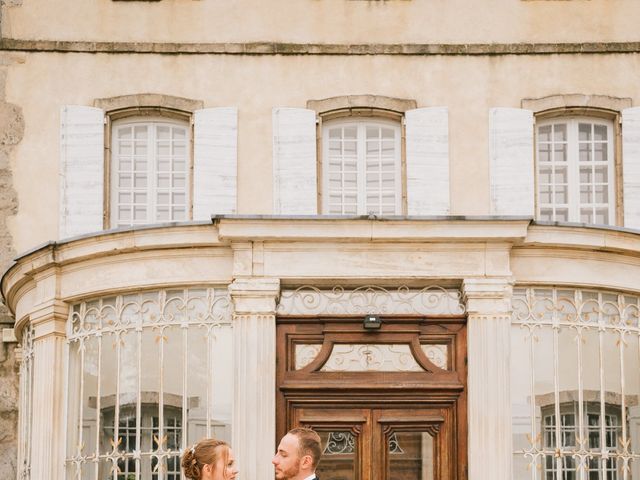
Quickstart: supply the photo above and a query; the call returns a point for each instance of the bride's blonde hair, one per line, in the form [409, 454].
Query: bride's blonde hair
[205, 452]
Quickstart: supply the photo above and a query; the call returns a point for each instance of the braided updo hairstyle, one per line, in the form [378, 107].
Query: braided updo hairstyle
[205, 452]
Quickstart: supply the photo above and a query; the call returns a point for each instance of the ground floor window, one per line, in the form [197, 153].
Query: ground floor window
[599, 435]
[575, 384]
[148, 375]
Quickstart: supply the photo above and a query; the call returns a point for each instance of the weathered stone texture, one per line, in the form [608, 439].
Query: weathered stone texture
[11, 132]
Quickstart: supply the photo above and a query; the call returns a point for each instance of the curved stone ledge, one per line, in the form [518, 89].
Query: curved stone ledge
[347, 102]
[323, 251]
[576, 100]
[150, 100]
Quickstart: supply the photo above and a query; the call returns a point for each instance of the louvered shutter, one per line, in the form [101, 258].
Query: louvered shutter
[81, 170]
[295, 190]
[631, 166]
[511, 162]
[427, 140]
[215, 165]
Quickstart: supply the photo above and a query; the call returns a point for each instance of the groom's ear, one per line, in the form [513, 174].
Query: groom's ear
[307, 462]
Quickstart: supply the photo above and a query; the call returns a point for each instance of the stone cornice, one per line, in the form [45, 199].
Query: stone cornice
[304, 250]
[324, 228]
[280, 48]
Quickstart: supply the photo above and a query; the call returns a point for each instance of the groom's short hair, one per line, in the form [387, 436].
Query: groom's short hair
[309, 443]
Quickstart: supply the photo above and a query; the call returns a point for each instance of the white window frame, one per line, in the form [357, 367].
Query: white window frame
[361, 123]
[573, 168]
[152, 122]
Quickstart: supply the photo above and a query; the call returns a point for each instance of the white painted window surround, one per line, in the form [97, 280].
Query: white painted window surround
[575, 172]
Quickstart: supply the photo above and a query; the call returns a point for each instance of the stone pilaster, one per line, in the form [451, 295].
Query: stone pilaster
[48, 439]
[488, 303]
[254, 337]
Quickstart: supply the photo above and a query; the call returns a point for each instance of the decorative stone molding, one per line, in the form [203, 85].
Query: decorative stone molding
[431, 300]
[254, 296]
[367, 103]
[279, 48]
[576, 101]
[488, 302]
[487, 296]
[148, 100]
[8, 335]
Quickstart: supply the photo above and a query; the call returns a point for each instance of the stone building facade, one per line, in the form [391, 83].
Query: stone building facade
[412, 226]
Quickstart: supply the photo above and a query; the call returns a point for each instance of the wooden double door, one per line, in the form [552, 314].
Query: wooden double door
[388, 405]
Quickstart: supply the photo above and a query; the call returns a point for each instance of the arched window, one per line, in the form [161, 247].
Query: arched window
[361, 167]
[575, 170]
[150, 165]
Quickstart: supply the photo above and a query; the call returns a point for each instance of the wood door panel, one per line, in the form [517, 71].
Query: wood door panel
[378, 424]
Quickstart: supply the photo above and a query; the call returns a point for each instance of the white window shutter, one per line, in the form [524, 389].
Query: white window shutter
[295, 188]
[427, 140]
[81, 170]
[631, 166]
[215, 165]
[511, 162]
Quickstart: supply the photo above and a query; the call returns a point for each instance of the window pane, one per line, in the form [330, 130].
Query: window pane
[164, 148]
[544, 175]
[561, 196]
[163, 214]
[559, 132]
[586, 215]
[163, 132]
[601, 216]
[599, 133]
[124, 148]
[124, 181]
[560, 153]
[601, 194]
[600, 152]
[373, 132]
[544, 152]
[546, 214]
[562, 215]
[544, 133]
[584, 130]
[163, 181]
[586, 194]
[601, 175]
[163, 198]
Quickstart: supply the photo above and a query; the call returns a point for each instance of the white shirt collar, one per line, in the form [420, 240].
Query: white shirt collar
[311, 477]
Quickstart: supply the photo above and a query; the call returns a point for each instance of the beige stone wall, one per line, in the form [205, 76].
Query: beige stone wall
[468, 85]
[332, 21]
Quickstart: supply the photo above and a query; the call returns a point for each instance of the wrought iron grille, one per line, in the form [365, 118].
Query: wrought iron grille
[575, 357]
[148, 375]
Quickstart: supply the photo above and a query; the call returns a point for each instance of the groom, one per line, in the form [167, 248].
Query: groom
[298, 455]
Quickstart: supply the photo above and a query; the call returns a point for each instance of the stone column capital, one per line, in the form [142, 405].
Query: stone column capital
[255, 296]
[50, 318]
[487, 295]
